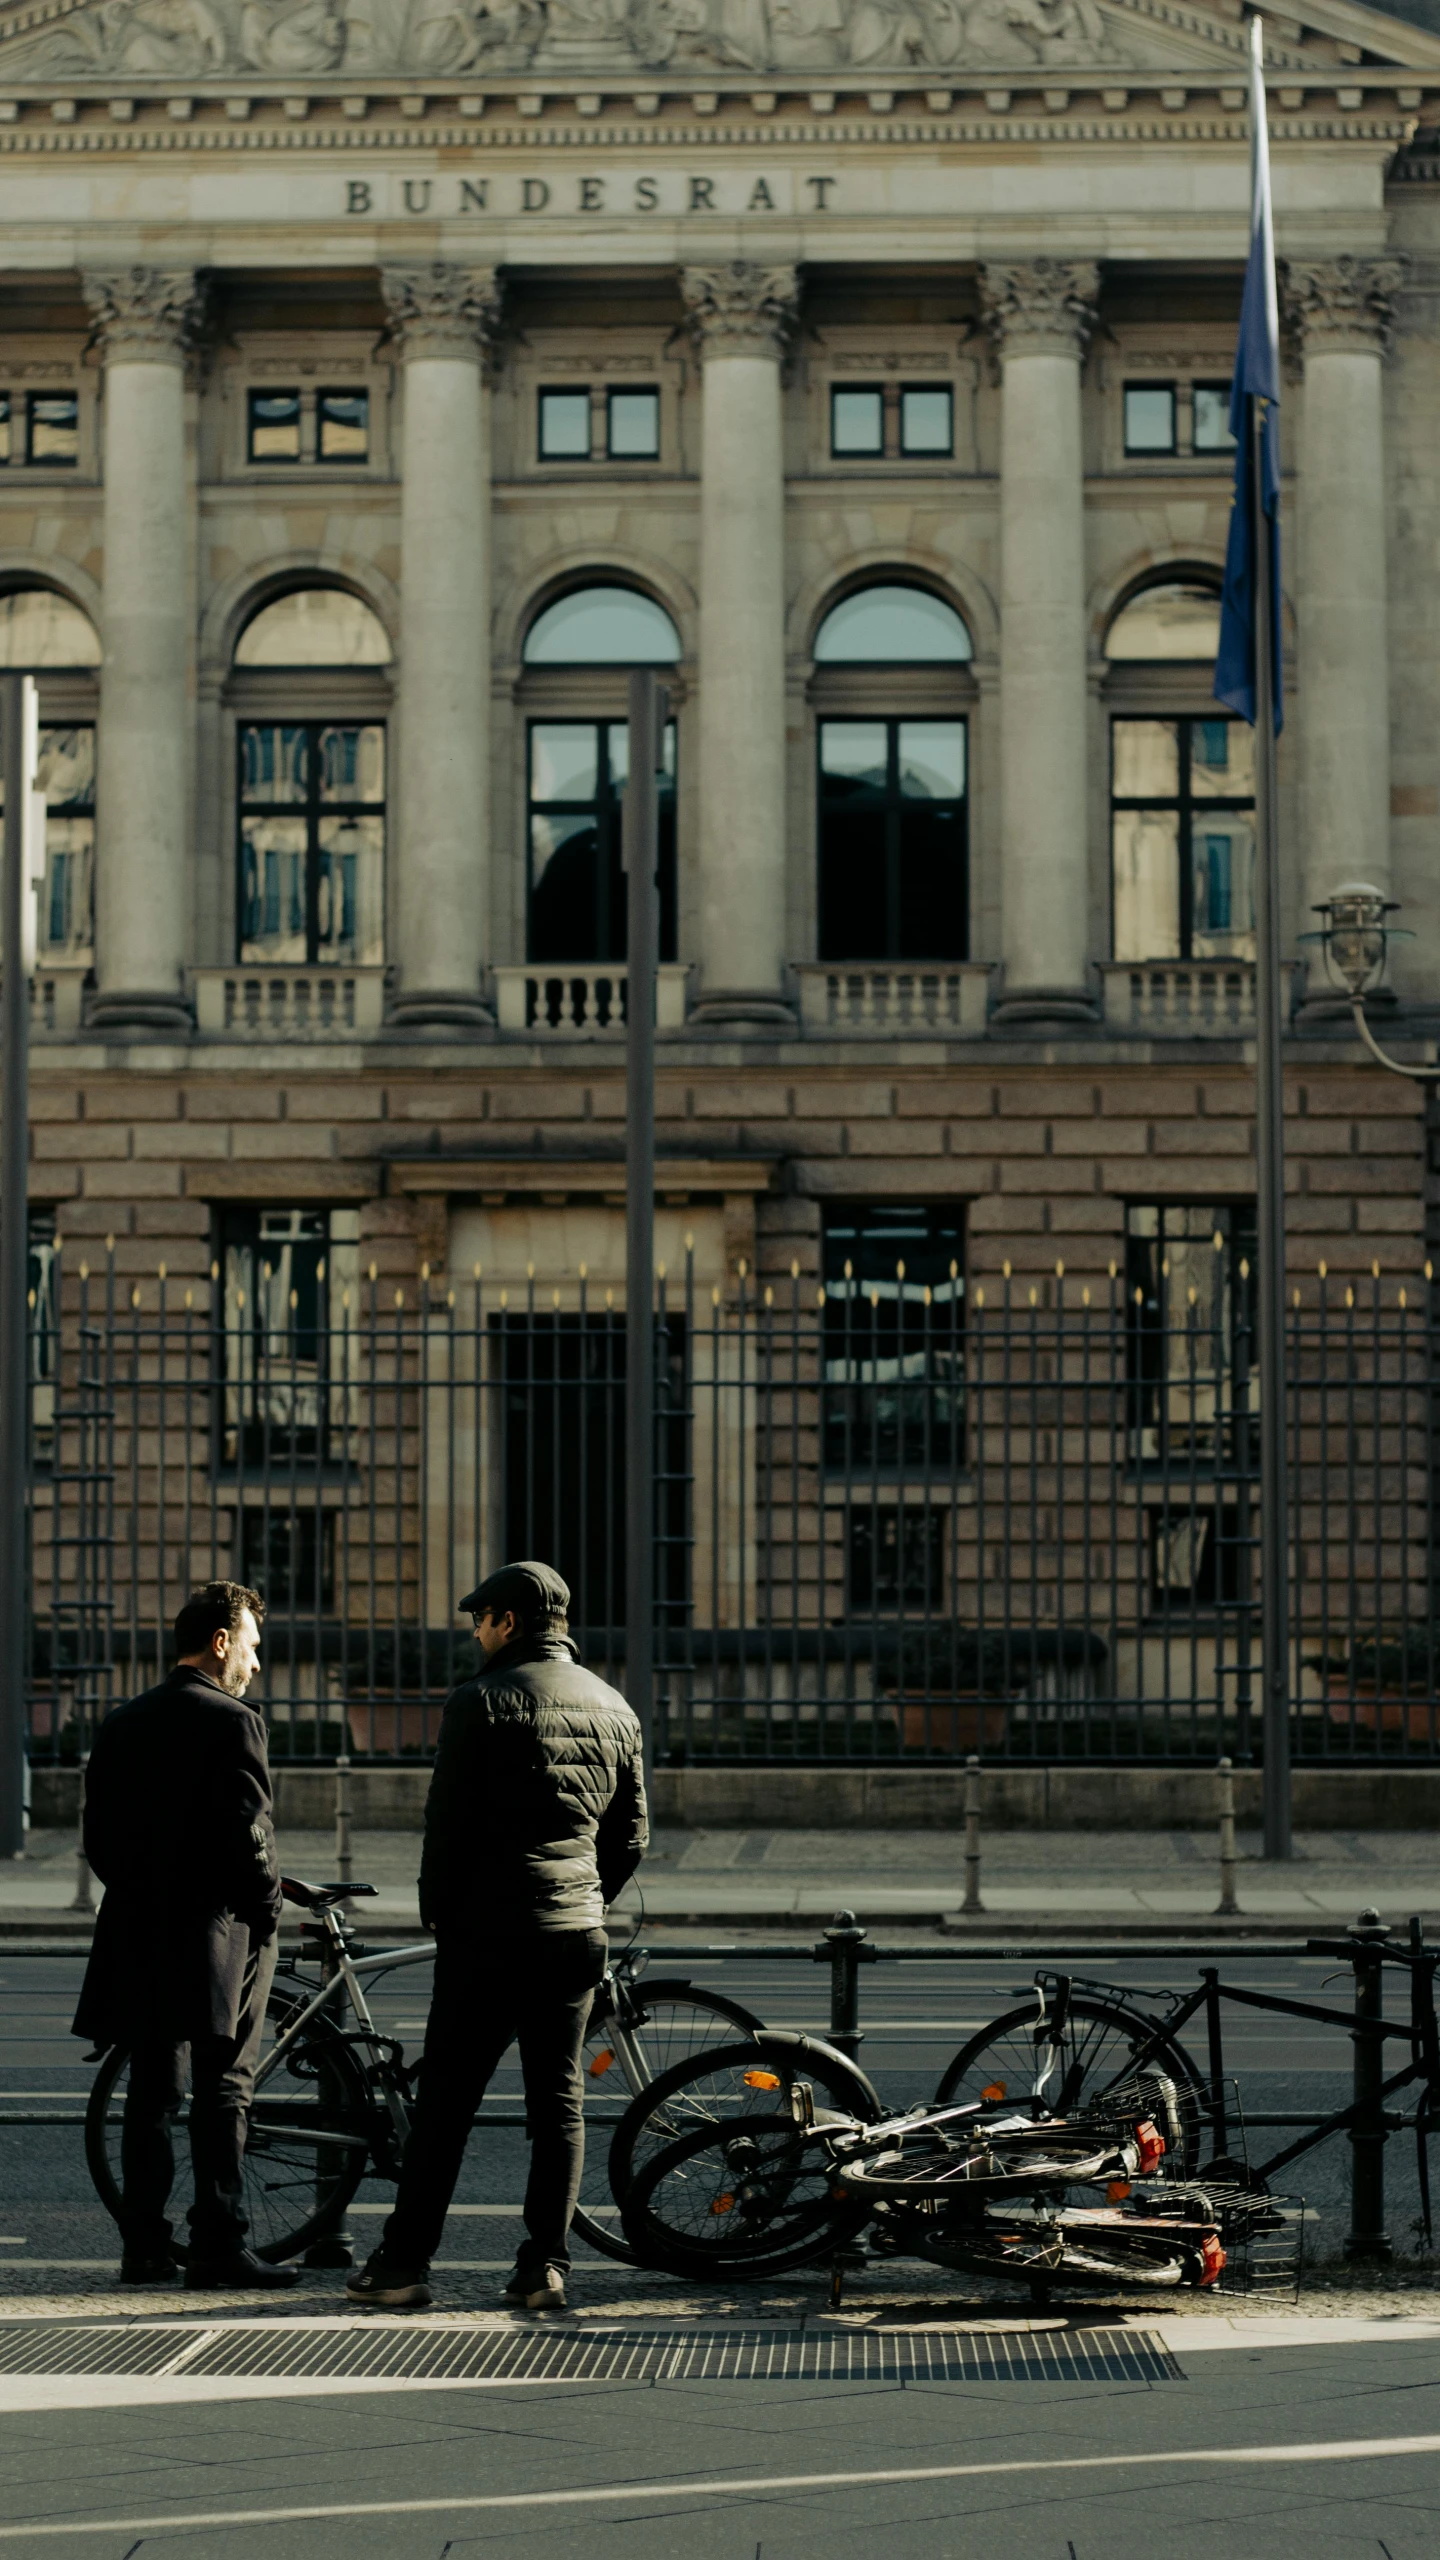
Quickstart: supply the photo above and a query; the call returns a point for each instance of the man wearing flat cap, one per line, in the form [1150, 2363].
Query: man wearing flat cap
[534, 1821]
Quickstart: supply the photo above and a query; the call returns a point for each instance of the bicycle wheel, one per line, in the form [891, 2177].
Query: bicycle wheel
[305, 2149]
[933, 2172]
[1096, 2066]
[653, 2026]
[730, 2084]
[739, 2200]
[1122, 2253]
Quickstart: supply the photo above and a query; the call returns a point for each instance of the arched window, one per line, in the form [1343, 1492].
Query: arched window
[1182, 784]
[891, 674]
[44, 635]
[309, 682]
[576, 743]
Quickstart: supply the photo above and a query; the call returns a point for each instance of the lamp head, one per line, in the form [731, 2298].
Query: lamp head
[1356, 934]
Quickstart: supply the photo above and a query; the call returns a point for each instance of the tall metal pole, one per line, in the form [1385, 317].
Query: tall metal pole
[14, 1246]
[1270, 1198]
[648, 706]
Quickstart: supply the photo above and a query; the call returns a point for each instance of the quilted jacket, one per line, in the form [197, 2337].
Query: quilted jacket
[536, 1812]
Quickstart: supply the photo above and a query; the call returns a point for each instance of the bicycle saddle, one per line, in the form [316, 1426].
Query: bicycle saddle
[318, 1897]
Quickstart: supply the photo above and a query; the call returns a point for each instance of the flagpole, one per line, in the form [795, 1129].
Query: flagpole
[1270, 1192]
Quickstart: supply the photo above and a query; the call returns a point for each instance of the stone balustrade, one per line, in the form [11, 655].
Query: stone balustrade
[1186, 999]
[288, 1003]
[948, 1001]
[580, 1002]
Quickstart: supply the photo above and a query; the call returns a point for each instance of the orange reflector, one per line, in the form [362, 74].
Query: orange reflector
[1212, 2260]
[762, 2079]
[723, 2204]
[1117, 2191]
[601, 2063]
[995, 2090]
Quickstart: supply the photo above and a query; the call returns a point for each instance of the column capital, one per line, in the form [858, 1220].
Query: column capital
[145, 314]
[1040, 306]
[440, 310]
[1342, 306]
[740, 309]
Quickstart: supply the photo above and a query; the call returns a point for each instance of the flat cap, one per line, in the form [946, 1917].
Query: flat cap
[533, 1591]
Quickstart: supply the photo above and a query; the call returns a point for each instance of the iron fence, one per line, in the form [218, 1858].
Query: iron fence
[892, 1523]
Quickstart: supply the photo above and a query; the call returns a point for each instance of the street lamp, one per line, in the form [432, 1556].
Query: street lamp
[1355, 938]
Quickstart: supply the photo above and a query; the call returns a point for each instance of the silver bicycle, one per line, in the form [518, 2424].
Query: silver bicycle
[334, 2092]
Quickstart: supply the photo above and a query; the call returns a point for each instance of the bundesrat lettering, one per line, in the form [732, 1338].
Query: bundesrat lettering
[587, 195]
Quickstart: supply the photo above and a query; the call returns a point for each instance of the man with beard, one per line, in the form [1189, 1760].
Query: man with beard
[179, 1829]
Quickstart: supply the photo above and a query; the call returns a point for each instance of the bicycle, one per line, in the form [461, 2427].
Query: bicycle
[766, 2181]
[333, 2093]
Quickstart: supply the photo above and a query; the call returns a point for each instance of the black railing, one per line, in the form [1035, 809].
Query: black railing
[893, 1523]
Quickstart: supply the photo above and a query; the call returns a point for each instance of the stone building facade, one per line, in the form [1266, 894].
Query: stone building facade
[382, 384]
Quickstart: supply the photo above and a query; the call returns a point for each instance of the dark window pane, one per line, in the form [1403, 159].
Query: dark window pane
[1212, 418]
[1189, 1309]
[893, 1326]
[312, 843]
[53, 427]
[288, 1556]
[896, 1556]
[564, 426]
[892, 840]
[857, 421]
[932, 884]
[274, 426]
[275, 765]
[1149, 417]
[343, 419]
[926, 421]
[633, 425]
[577, 886]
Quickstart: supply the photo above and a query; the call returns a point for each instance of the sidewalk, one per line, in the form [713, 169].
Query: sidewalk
[1145, 1882]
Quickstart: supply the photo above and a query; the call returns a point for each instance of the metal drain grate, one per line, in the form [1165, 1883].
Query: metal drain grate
[597, 2355]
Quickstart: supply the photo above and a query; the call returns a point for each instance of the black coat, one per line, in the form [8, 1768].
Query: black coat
[536, 1811]
[180, 1831]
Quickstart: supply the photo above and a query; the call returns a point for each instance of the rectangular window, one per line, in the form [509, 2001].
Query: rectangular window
[274, 418]
[287, 1309]
[1149, 417]
[1182, 800]
[632, 426]
[893, 840]
[564, 426]
[4, 426]
[927, 421]
[52, 428]
[312, 842]
[1212, 418]
[896, 1554]
[857, 421]
[1189, 1312]
[893, 1328]
[343, 426]
[577, 887]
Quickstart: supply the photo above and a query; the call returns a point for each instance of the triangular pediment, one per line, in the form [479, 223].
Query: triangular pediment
[195, 41]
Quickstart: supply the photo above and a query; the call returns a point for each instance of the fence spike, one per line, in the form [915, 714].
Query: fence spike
[320, 1268]
[1374, 1270]
[1005, 1268]
[1323, 1270]
[819, 1297]
[1297, 1297]
[899, 1270]
[162, 1271]
[770, 1295]
[714, 1297]
[529, 1270]
[374, 1272]
[1084, 1297]
[478, 1268]
[794, 1270]
[584, 1271]
[1404, 1301]
[1034, 1300]
[214, 1270]
[1059, 1270]
[954, 1270]
[30, 1303]
[689, 1240]
[189, 1297]
[399, 1297]
[84, 1270]
[109, 1244]
[1218, 1241]
[1114, 1271]
[424, 1270]
[979, 1297]
[294, 1300]
[135, 1295]
[1349, 1297]
[1429, 1271]
[742, 1266]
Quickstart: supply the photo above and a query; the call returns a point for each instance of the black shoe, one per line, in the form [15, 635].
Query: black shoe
[396, 2288]
[241, 2272]
[536, 2289]
[161, 2270]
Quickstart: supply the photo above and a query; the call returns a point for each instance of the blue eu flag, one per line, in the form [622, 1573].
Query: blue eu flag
[1257, 379]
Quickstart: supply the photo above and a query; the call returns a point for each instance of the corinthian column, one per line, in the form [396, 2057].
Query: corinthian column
[741, 319]
[1040, 315]
[1339, 309]
[445, 321]
[144, 321]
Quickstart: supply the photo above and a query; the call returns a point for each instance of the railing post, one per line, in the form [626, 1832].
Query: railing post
[84, 1897]
[1368, 2238]
[1227, 1906]
[972, 1902]
[841, 1946]
[344, 1865]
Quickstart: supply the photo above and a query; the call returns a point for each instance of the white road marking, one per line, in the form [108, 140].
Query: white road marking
[763, 2485]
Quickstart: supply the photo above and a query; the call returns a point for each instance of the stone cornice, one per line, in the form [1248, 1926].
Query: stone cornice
[1342, 305]
[741, 309]
[441, 310]
[1040, 305]
[150, 313]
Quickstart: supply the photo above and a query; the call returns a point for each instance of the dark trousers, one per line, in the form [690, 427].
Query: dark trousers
[538, 1988]
[221, 2072]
